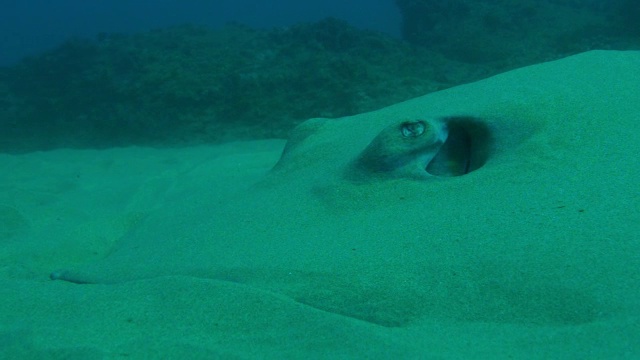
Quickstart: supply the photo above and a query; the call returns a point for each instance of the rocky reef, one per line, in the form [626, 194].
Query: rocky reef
[522, 32]
[188, 85]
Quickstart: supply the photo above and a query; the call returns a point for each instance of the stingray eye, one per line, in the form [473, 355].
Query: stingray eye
[412, 129]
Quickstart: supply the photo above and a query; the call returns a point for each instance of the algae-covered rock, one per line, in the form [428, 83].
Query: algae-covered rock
[518, 32]
[189, 84]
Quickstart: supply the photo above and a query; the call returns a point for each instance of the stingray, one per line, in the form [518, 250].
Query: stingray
[511, 200]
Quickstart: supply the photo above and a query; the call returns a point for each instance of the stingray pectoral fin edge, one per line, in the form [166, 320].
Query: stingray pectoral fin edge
[65, 275]
[79, 277]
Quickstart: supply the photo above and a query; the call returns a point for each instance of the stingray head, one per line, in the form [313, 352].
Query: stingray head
[403, 149]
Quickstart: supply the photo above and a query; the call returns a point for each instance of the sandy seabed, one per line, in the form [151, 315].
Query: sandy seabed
[205, 252]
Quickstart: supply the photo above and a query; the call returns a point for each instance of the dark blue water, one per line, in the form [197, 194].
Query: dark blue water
[31, 26]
